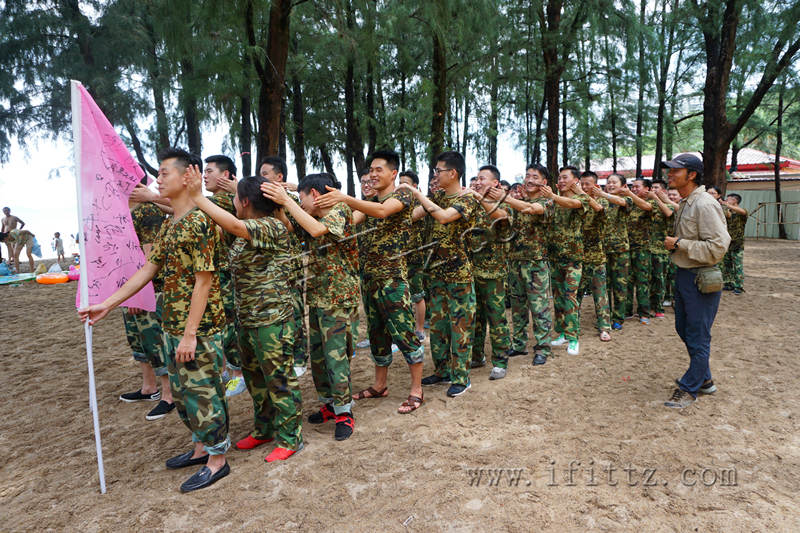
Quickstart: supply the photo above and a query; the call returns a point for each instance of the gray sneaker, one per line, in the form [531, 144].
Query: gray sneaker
[707, 387]
[497, 373]
[363, 344]
[420, 335]
[680, 399]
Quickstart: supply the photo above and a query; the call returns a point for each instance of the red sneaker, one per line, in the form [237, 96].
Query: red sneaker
[659, 315]
[250, 442]
[280, 454]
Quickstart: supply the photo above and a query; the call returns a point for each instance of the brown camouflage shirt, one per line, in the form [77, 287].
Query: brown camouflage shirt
[449, 261]
[736, 226]
[616, 234]
[224, 200]
[594, 227]
[639, 222]
[529, 242]
[566, 232]
[486, 244]
[387, 241]
[658, 230]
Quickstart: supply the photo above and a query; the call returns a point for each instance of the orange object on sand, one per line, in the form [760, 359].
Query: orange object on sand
[52, 278]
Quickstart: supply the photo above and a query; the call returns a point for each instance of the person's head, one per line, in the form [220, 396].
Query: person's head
[615, 183]
[366, 184]
[409, 177]
[57, 235]
[673, 195]
[536, 175]
[273, 168]
[684, 171]
[488, 177]
[433, 184]
[6, 211]
[249, 201]
[450, 166]
[640, 187]
[505, 185]
[567, 177]
[383, 165]
[659, 185]
[218, 168]
[312, 187]
[716, 192]
[734, 199]
[173, 166]
[516, 191]
[588, 178]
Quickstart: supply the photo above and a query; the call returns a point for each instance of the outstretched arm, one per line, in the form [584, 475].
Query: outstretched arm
[277, 194]
[225, 220]
[444, 216]
[374, 209]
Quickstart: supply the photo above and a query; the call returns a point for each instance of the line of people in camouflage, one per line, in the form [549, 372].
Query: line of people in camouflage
[239, 273]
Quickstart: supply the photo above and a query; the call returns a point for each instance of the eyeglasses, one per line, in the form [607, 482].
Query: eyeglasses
[437, 171]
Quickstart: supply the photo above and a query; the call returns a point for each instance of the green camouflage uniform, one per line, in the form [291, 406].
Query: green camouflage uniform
[387, 302]
[566, 256]
[415, 258]
[639, 237]
[183, 247]
[659, 277]
[143, 330]
[452, 294]
[332, 291]
[230, 338]
[264, 311]
[593, 274]
[618, 260]
[733, 262]
[486, 243]
[530, 278]
[297, 288]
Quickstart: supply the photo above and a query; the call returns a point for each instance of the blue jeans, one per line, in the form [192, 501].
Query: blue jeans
[694, 315]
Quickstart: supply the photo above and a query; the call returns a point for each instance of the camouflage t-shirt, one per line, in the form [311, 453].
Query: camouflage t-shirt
[594, 227]
[387, 241]
[736, 225]
[259, 267]
[147, 220]
[566, 232]
[658, 230]
[185, 246]
[449, 261]
[332, 279]
[529, 242]
[616, 234]
[486, 244]
[639, 227]
[415, 256]
[224, 200]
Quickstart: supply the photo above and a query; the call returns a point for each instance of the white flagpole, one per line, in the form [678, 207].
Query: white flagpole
[84, 280]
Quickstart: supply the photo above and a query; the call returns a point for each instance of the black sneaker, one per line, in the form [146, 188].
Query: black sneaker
[324, 414]
[513, 353]
[707, 387]
[139, 397]
[539, 359]
[478, 364]
[680, 399]
[457, 390]
[344, 426]
[433, 379]
[160, 411]
[737, 291]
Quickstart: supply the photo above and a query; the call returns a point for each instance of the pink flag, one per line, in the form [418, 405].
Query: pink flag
[107, 173]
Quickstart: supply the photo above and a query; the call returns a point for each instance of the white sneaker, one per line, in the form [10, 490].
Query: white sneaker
[299, 371]
[395, 348]
[363, 344]
[573, 348]
[497, 373]
[235, 386]
[667, 303]
[559, 341]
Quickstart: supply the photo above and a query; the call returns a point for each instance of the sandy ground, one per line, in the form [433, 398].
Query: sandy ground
[728, 463]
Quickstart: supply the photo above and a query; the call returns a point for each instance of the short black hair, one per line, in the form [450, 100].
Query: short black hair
[493, 169]
[184, 158]
[589, 174]
[250, 188]
[514, 186]
[719, 191]
[620, 177]
[738, 198]
[504, 183]
[453, 160]
[277, 163]
[574, 170]
[660, 182]
[390, 156]
[223, 162]
[646, 182]
[410, 174]
[541, 169]
[318, 183]
[363, 172]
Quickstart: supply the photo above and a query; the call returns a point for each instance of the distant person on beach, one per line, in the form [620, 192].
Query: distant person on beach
[9, 222]
[58, 247]
[16, 240]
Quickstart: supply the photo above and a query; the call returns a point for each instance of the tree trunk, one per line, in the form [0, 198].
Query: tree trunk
[189, 104]
[613, 117]
[402, 133]
[778, 148]
[640, 101]
[325, 155]
[466, 125]
[299, 131]
[493, 116]
[246, 135]
[663, 70]
[439, 101]
[564, 147]
[372, 132]
[537, 136]
[552, 76]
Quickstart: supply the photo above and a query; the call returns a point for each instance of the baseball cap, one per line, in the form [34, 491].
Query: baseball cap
[687, 161]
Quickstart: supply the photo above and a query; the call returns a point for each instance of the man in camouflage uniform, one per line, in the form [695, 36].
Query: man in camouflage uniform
[415, 259]
[593, 275]
[387, 302]
[332, 291]
[673, 200]
[527, 262]
[143, 328]
[566, 256]
[616, 247]
[733, 262]
[663, 218]
[452, 294]
[185, 253]
[639, 223]
[486, 245]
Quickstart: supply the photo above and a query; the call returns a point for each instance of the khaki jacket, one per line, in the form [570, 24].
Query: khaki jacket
[701, 226]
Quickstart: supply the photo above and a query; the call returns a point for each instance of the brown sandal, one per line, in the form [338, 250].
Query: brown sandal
[361, 395]
[414, 402]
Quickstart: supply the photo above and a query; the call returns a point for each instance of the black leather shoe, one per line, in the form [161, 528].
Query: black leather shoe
[185, 459]
[539, 359]
[514, 353]
[203, 478]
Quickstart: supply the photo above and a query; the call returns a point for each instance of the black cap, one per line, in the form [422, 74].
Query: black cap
[687, 161]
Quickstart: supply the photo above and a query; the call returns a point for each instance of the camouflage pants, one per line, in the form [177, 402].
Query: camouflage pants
[640, 276]
[733, 268]
[146, 338]
[658, 282]
[530, 285]
[618, 266]
[415, 282]
[230, 339]
[198, 392]
[671, 270]
[490, 309]
[452, 323]
[331, 336]
[267, 361]
[566, 276]
[593, 277]
[299, 316]
[390, 318]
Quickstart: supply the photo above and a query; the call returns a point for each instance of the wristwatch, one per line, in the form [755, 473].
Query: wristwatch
[676, 243]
